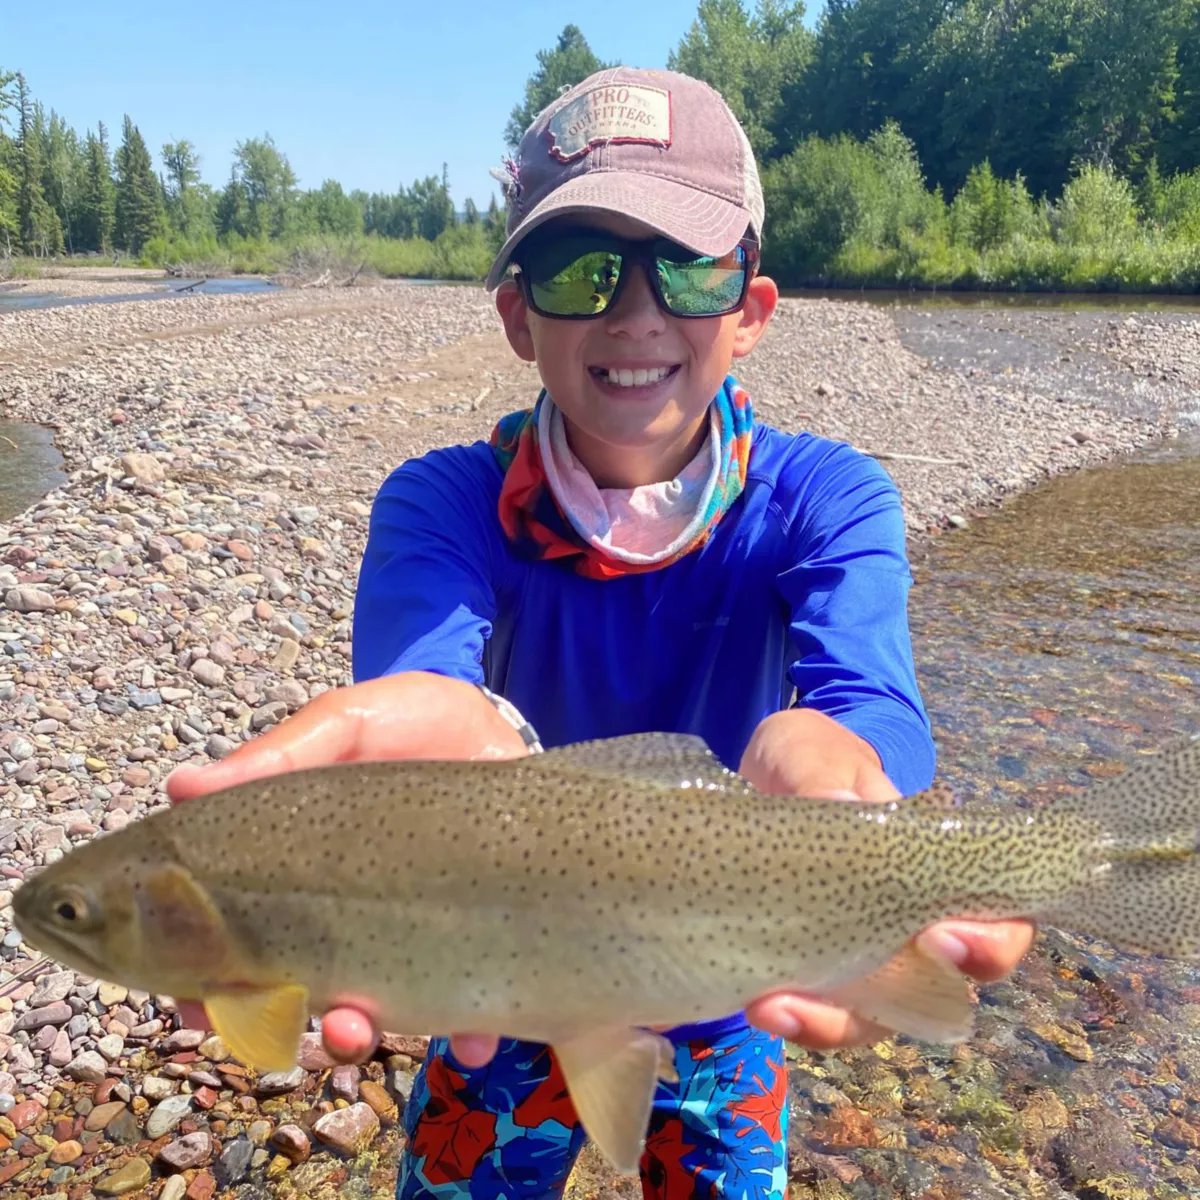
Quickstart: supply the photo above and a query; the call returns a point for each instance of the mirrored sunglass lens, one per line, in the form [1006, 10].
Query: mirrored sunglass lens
[582, 285]
[703, 286]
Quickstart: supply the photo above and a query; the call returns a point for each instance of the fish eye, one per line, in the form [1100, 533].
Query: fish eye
[70, 909]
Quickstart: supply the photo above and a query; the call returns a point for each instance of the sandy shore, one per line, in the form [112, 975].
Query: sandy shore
[192, 584]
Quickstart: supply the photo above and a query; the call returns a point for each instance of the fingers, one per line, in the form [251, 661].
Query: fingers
[811, 1024]
[986, 950]
[474, 1049]
[348, 1035]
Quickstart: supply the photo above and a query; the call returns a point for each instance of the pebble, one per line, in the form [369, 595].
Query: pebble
[379, 1099]
[292, 1141]
[173, 1188]
[234, 1162]
[190, 1151]
[167, 1115]
[156, 1088]
[348, 1130]
[133, 1175]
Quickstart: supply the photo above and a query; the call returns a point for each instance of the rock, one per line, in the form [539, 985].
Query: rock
[219, 746]
[292, 1141]
[28, 600]
[214, 1049]
[957, 521]
[145, 468]
[278, 1083]
[58, 1013]
[88, 1067]
[156, 1088]
[167, 1115]
[312, 1056]
[190, 1151]
[111, 993]
[100, 1116]
[53, 987]
[181, 1040]
[133, 1175]
[26, 1115]
[377, 1097]
[202, 1186]
[209, 673]
[350, 1130]
[343, 1082]
[65, 1152]
[60, 1052]
[111, 1046]
[123, 1128]
[173, 1189]
[234, 1162]
[1174, 1131]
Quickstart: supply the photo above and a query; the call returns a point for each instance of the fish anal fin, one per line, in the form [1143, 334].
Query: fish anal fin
[179, 922]
[667, 760]
[915, 993]
[612, 1075]
[261, 1026]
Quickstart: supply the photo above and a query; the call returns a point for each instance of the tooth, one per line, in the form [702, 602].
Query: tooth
[625, 377]
[613, 375]
[656, 375]
[640, 377]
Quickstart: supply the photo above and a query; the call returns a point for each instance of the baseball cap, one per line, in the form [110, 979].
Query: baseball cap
[658, 146]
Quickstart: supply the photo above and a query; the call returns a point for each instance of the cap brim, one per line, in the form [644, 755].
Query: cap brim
[704, 223]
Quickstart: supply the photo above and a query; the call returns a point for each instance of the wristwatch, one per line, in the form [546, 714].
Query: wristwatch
[512, 715]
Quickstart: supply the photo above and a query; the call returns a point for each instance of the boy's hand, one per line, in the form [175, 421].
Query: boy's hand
[409, 715]
[806, 753]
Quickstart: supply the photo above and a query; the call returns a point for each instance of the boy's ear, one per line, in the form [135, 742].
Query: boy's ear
[762, 297]
[514, 312]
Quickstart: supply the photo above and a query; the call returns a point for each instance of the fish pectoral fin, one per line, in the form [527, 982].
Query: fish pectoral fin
[666, 760]
[179, 922]
[914, 993]
[261, 1026]
[611, 1075]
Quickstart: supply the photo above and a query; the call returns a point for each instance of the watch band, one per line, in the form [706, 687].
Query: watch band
[512, 715]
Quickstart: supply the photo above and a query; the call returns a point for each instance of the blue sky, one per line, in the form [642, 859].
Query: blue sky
[370, 93]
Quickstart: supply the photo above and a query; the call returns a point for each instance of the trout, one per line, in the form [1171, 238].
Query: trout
[582, 897]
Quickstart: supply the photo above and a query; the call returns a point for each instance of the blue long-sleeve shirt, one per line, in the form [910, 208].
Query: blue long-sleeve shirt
[799, 596]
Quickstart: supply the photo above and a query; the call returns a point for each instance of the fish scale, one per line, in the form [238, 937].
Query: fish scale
[583, 896]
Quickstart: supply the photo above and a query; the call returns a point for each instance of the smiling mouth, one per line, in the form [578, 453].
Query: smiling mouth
[627, 377]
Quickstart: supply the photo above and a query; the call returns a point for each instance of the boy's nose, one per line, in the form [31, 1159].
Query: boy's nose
[636, 314]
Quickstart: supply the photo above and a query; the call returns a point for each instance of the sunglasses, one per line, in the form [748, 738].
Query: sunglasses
[579, 275]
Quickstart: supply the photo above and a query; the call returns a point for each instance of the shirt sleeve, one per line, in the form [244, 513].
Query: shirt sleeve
[426, 595]
[847, 590]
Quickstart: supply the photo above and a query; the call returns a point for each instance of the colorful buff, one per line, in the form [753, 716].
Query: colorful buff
[508, 1130]
[537, 527]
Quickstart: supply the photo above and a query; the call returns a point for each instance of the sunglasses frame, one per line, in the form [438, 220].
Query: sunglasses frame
[634, 252]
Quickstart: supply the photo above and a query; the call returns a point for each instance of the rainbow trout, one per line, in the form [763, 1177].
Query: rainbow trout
[582, 896]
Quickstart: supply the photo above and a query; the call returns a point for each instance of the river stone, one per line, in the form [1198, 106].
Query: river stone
[234, 1162]
[88, 1067]
[133, 1175]
[348, 1130]
[190, 1151]
[174, 1188]
[58, 1013]
[156, 1088]
[213, 1048]
[145, 468]
[343, 1082]
[28, 599]
[100, 1116]
[277, 1083]
[167, 1115]
[111, 1046]
[292, 1141]
[181, 1040]
[51, 988]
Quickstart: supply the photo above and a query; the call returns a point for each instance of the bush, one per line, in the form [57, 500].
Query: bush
[1097, 210]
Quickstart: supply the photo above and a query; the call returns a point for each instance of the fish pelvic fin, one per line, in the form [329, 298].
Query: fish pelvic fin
[261, 1026]
[666, 760]
[915, 993]
[612, 1075]
[1144, 892]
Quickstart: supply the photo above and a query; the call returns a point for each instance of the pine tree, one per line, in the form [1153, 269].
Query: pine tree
[139, 207]
[41, 232]
[10, 228]
[570, 62]
[97, 204]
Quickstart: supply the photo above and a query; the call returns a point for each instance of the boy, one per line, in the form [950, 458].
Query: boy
[630, 553]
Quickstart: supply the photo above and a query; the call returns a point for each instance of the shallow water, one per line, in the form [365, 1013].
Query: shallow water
[30, 466]
[1056, 641]
[239, 286]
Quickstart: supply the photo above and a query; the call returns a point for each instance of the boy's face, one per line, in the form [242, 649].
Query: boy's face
[624, 431]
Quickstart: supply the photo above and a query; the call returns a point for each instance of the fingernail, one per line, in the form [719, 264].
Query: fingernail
[790, 1027]
[946, 944]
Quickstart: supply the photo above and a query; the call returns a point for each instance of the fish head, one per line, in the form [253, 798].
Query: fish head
[121, 910]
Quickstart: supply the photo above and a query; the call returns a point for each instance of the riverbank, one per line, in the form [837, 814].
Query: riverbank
[192, 584]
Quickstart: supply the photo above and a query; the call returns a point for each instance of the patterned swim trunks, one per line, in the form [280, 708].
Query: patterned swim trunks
[508, 1130]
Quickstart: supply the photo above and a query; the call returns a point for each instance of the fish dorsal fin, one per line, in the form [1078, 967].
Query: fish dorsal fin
[612, 1075]
[936, 796]
[261, 1026]
[667, 760]
[915, 993]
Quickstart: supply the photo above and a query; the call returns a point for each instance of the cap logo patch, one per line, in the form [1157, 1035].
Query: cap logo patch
[617, 112]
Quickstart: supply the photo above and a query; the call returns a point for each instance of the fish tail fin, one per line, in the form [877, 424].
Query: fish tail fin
[1145, 894]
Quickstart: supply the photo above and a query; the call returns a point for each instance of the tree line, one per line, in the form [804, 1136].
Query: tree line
[65, 193]
[1026, 143]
